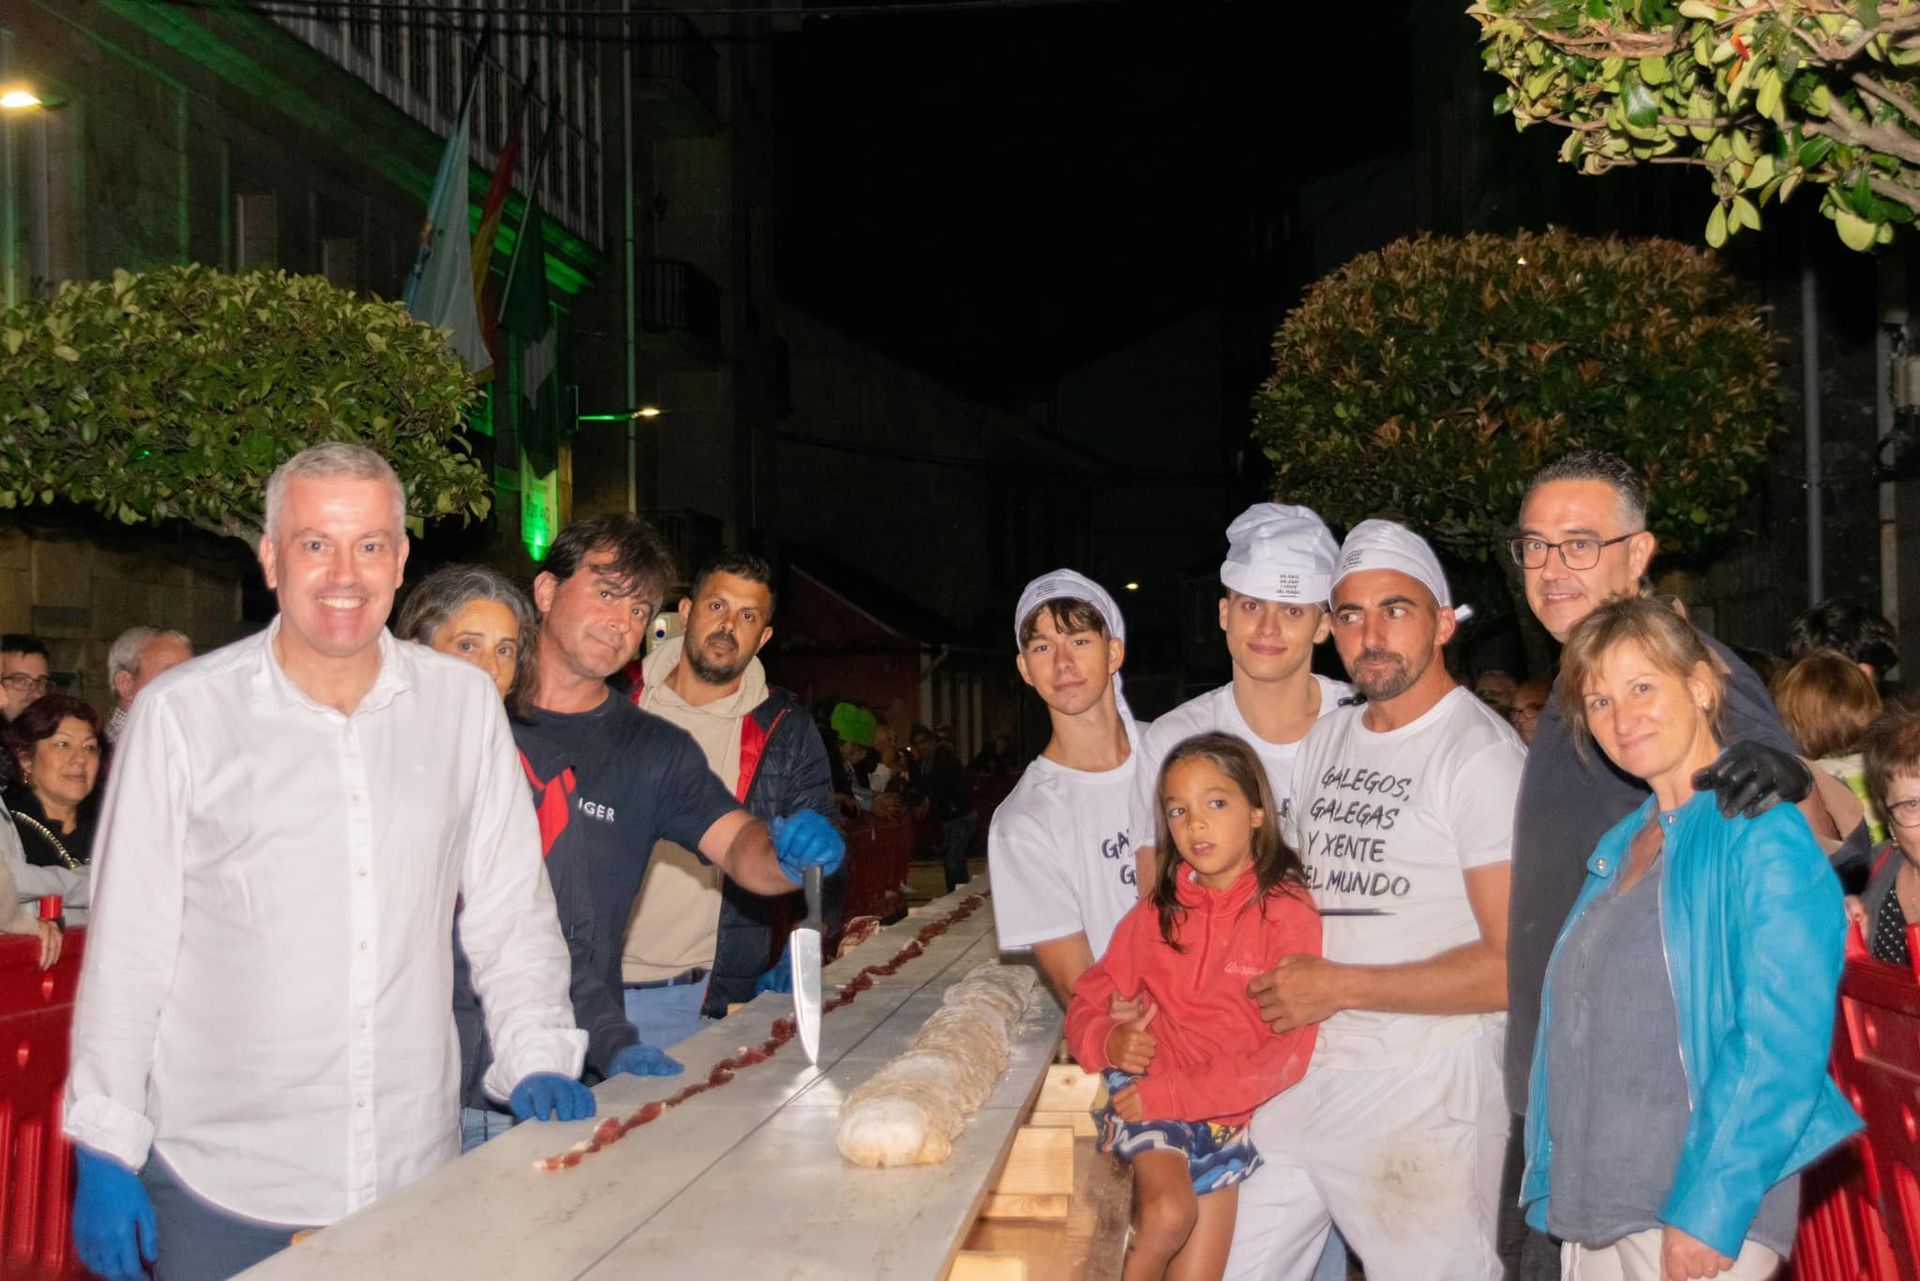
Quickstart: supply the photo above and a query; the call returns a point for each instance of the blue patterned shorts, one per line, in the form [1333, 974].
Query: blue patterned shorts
[1218, 1156]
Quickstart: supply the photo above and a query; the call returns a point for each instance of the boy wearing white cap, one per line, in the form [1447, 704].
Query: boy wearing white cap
[1058, 847]
[1403, 813]
[1277, 575]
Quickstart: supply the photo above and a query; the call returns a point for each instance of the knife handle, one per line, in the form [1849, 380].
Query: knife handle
[810, 886]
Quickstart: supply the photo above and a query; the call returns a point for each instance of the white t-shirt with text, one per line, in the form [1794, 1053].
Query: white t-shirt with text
[1387, 823]
[1215, 712]
[1061, 856]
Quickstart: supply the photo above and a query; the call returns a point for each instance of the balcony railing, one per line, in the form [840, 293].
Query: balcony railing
[677, 301]
[678, 81]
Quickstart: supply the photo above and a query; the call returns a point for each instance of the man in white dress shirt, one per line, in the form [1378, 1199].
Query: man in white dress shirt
[264, 1027]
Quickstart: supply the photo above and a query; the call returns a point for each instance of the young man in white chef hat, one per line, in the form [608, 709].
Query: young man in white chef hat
[1059, 847]
[1403, 814]
[1277, 575]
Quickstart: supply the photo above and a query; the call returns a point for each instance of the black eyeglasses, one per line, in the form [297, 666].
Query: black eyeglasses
[1905, 813]
[1575, 553]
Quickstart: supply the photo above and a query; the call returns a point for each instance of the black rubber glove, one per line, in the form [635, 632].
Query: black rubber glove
[1749, 777]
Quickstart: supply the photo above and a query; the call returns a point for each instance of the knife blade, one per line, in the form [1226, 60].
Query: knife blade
[805, 942]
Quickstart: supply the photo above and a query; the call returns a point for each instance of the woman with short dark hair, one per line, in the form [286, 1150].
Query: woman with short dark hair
[56, 748]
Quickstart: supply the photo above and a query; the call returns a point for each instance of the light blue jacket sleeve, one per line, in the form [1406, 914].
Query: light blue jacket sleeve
[1784, 926]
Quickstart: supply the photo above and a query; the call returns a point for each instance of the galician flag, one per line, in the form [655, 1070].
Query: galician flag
[440, 289]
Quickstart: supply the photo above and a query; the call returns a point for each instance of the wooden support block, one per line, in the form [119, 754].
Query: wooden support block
[1081, 1123]
[1068, 1089]
[1023, 1205]
[1067, 1098]
[975, 1265]
[1037, 1180]
[1039, 1164]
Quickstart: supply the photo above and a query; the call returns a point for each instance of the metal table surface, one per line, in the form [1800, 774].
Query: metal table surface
[745, 1181]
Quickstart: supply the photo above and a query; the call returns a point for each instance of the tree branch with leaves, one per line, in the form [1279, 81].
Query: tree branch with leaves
[1765, 95]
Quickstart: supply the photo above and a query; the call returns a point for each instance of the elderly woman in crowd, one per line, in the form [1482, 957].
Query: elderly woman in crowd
[1679, 1077]
[473, 613]
[55, 747]
[1891, 761]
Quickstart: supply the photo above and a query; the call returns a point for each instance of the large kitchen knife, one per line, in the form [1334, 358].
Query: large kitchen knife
[806, 968]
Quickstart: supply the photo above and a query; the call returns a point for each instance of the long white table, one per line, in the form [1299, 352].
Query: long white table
[743, 1181]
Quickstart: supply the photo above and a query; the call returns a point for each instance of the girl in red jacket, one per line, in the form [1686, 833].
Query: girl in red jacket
[1185, 1076]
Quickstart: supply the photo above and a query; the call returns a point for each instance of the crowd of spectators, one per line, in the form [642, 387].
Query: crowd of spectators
[1494, 865]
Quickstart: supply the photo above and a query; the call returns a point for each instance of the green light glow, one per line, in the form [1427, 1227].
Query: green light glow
[539, 514]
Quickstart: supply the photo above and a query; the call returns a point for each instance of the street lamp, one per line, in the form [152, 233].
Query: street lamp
[21, 99]
[623, 416]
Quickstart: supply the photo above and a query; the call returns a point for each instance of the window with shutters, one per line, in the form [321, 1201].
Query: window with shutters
[256, 231]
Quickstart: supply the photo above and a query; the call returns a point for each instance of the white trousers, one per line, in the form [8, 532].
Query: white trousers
[1637, 1258]
[1405, 1159]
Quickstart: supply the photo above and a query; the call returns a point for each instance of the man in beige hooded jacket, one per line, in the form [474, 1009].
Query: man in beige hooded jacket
[710, 683]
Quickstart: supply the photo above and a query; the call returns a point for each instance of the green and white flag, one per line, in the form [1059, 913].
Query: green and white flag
[440, 288]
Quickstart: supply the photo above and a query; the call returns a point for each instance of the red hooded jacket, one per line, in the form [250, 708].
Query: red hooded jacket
[1214, 1059]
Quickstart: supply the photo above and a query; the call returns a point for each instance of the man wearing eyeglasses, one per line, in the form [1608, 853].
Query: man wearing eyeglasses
[23, 673]
[1583, 540]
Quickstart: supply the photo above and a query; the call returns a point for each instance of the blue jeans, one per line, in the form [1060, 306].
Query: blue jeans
[1333, 1259]
[198, 1240]
[956, 841]
[666, 1016]
[477, 1125]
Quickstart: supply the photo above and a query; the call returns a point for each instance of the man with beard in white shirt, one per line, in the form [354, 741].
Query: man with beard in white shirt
[1059, 847]
[1403, 814]
[1278, 572]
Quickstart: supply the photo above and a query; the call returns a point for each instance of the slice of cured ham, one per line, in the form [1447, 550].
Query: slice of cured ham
[909, 1112]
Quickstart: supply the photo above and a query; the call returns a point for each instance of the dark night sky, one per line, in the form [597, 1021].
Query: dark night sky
[996, 195]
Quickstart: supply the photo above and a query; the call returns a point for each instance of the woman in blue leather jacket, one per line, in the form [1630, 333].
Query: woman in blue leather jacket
[1680, 1074]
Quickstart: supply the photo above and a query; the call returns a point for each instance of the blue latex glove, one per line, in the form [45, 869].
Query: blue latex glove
[780, 977]
[646, 1060]
[548, 1096]
[805, 840]
[114, 1232]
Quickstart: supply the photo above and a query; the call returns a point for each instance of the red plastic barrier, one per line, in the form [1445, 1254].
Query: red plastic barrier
[36, 1016]
[878, 854]
[1860, 1207]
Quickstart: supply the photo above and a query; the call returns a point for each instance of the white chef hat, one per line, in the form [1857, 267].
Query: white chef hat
[1383, 544]
[1281, 553]
[1070, 584]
